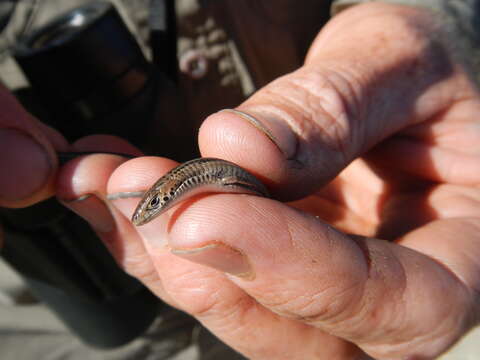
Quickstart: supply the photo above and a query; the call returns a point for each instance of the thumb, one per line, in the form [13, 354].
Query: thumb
[376, 294]
[373, 70]
[27, 155]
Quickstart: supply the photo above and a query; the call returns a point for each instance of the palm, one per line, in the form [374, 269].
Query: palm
[406, 181]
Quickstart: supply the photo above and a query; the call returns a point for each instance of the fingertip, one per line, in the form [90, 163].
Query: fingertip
[86, 175]
[255, 127]
[138, 173]
[27, 169]
[261, 149]
[28, 158]
[133, 178]
[93, 172]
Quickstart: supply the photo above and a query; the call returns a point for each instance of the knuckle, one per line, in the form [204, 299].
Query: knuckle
[195, 294]
[320, 106]
[139, 267]
[327, 304]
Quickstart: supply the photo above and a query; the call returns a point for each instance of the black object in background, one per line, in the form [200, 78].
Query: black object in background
[163, 39]
[67, 266]
[88, 75]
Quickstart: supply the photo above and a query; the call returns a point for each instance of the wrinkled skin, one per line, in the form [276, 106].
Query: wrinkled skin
[377, 136]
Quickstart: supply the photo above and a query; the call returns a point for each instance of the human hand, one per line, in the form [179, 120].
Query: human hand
[28, 154]
[376, 135]
[28, 159]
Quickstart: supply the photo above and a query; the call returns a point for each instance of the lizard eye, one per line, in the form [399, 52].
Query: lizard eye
[154, 202]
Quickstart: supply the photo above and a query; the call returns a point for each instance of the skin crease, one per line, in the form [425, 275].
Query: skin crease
[379, 82]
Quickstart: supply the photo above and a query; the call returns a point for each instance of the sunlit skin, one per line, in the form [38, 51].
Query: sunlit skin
[370, 245]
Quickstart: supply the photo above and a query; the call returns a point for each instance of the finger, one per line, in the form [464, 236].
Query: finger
[367, 291]
[209, 295]
[82, 184]
[28, 155]
[82, 187]
[435, 163]
[359, 85]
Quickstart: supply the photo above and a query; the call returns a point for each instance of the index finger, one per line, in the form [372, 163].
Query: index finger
[360, 85]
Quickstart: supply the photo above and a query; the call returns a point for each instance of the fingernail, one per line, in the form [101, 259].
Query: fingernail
[94, 211]
[219, 256]
[25, 165]
[277, 131]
